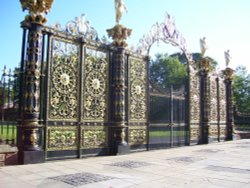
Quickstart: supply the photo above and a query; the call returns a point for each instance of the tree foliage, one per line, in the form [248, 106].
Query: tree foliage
[241, 89]
[166, 71]
[196, 58]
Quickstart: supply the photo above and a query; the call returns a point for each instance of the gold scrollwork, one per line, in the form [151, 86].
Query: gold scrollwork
[64, 81]
[213, 131]
[61, 138]
[213, 101]
[223, 115]
[94, 137]
[137, 135]
[138, 106]
[96, 86]
[222, 131]
[194, 133]
[194, 97]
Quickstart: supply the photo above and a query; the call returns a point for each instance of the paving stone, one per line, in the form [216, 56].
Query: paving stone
[213, 165]
[185, 159]
[130, 164]
[83, 178]
[209, 150]
[228, 169]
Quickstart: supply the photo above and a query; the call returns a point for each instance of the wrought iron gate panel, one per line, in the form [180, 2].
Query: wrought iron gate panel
[63, 95]
[138, 102]
[194, 105]
[94, 137]
[168, 119]
[95, 98]
[223, 108]
[63, 80]
[137, 85]
[62, 138]
[77, 103]
[95, 86]
[213, 114]
[137, 135]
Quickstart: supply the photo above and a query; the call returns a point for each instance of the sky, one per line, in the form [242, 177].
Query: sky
[224, 23]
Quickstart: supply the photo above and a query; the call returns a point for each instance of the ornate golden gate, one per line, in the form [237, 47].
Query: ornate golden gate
[77, 105]
[92, 96]
[80, 95]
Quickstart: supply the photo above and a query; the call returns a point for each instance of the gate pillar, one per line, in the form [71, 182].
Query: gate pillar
[118, 92]
[29, 129]
[205, 104]
[228, 73]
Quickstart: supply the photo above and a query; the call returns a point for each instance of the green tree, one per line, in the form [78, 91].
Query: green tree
[166, 71]
[241, 89]
[196, 57]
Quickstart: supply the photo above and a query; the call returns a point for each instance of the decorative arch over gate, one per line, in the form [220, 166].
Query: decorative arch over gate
[165, 32]
[169, 108]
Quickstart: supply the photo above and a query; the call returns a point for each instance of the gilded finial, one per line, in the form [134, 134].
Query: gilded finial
[37, 9]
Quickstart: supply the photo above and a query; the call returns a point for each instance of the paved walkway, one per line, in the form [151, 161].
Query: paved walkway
[224, 164]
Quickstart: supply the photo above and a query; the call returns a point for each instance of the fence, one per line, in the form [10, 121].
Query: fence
[9, 106]
[241, 120]
[168, 118]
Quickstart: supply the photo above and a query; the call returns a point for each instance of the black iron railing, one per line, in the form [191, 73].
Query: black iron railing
[241, 120]
[8, 106]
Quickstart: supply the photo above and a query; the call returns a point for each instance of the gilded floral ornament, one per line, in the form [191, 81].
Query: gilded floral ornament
[37, 9]
[205, 64]
[94, 137]
[228, 73]
[95, 92]
[61, 138]
[137, 90]
[119, 34]
[63, 80]
[137, 135]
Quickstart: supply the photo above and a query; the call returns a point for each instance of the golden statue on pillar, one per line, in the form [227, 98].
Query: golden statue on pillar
[203, 46]
[119, 33]
[227, 57]
[120, 7]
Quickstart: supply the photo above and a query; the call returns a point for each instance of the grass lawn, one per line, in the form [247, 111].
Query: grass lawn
[7, 132]
[242, 127]
[158, 133]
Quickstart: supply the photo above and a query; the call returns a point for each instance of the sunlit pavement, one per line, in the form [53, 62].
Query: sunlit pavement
[225, 164]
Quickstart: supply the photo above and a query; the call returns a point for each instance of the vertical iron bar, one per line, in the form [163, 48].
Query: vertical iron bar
[41, 118]
[15, 76]
[218, 107]
[13, 133]
[1, 133]
[171, 115]
[9, 86]
[41, 115]
[21, 73]
[47, 91]
[81, 62]
[4, 84]
[147, 60]
[7, 133]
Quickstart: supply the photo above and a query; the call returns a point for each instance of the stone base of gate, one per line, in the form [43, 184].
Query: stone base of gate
[212, 139]
[31, 157]
[122, 150]
[235, 137]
